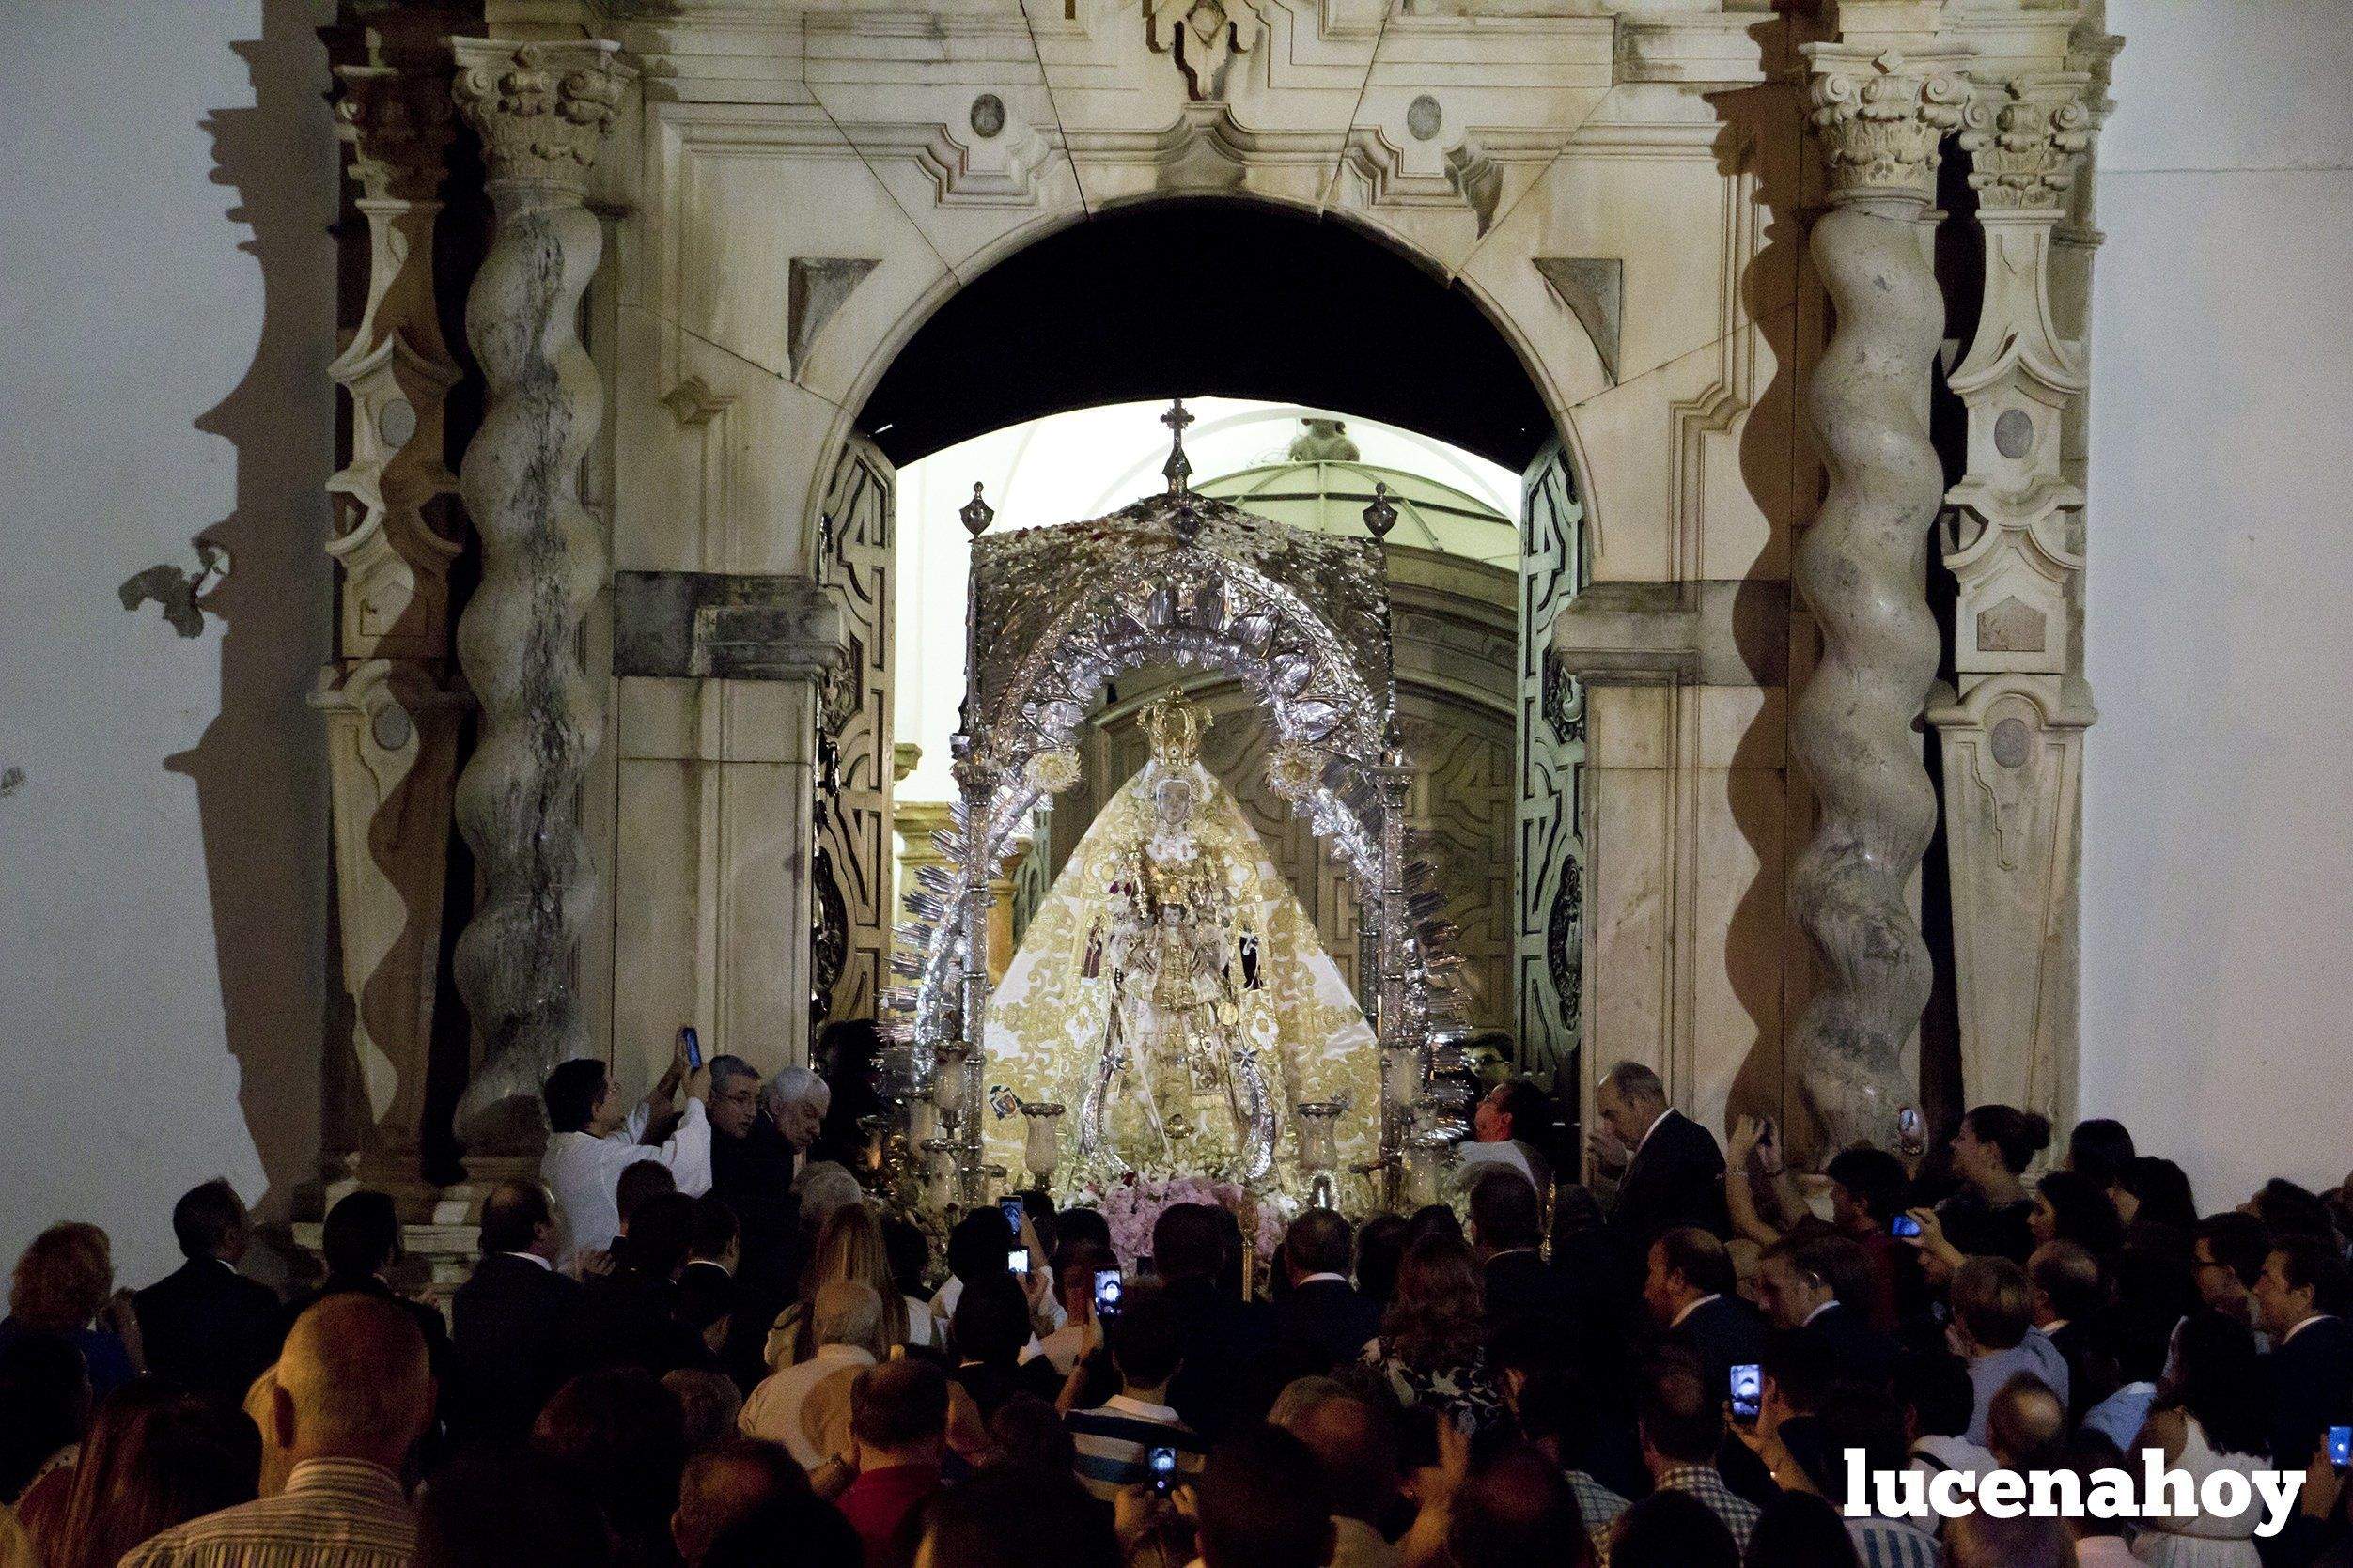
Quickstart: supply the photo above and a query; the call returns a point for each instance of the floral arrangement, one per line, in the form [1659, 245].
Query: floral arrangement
[1133, 1202]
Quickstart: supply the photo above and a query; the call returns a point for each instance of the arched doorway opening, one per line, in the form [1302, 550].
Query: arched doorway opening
[1243, 300]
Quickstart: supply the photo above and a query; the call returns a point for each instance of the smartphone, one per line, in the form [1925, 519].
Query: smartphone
[694, 1048]
[1014, 1213]
[1163, 1464]
[1018, 1260]
[1903, 1227]
[1748, 1391]
[1768, 1148]
[1910, 1137]
[1109, 1288]
[2340, 1446]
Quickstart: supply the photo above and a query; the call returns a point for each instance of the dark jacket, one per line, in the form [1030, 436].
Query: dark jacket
[428, 1320]
[1724, 1333]
[511, 1345]
[1675, 1178]
[1860, 1352]
[1318, 1325]
[208, 1329]
[2312, 1390]
[1225, 1341]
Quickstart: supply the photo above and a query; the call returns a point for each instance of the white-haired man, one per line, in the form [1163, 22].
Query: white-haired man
[796, 1100]
[806, 1406]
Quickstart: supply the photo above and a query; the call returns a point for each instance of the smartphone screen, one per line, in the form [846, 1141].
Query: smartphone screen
[1748, 1391]
[1162, 1463]
[1013, 1212]
[1108, 1287]
[1018, 1260]
[694, 1048]
[2340, 1446]
[1904, 1227]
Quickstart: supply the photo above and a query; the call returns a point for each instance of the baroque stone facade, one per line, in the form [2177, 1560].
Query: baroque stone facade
[790, 191]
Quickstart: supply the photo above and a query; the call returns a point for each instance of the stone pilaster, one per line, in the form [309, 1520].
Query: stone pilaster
[2012, 721]
[541, 111]
[391, 716]
[1881, 116]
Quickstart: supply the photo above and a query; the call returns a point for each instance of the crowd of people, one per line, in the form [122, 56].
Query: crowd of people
[698, 1340]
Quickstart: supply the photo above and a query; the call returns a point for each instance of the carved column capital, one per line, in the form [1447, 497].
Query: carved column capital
[2026, 137]
[1881, 115]
[541, 109]
[397, 120]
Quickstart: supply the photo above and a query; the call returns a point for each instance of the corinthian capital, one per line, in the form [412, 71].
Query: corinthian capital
[2025, 139]
[540, 108]
[1881, 116]
[397, 121]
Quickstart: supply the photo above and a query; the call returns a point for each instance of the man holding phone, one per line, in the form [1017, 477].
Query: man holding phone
[1077, 1270]
[1115, 1439]
[594, 1139]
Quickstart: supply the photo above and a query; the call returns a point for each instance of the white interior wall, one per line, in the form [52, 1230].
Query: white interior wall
[2218, 881]
[166, 312]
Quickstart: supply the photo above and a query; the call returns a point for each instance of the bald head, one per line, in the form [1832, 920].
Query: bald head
[1356, 1451]
[2026, 1425]
[352, 1382]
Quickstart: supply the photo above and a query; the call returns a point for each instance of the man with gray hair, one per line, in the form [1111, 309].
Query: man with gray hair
[796, 1099]
[1673, 1171]
[349, 1395]
[751, 1167]
[806, 1406]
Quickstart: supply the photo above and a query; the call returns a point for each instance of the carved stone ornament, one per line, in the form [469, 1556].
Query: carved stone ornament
[1203, 36]
[1880, 117]
[2026, 139]
[397, 122]
[540, 109]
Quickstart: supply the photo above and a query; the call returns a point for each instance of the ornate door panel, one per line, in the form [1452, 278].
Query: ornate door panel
[854, 848]
[1548, 886]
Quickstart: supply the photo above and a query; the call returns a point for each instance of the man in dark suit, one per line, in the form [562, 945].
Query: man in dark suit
[752, 1161]
[1813, 1283]
[1691, 1290]
[2069, 1293]
[1224, 1337]
[1672, 1170]
[1322, 1320]
[206, 1326]
[2297, 1297]
[1531, 1302]
[361, 1244]
[512, 1343]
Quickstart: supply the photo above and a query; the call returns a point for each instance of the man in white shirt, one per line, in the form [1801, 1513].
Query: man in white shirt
[806, 1406]
[593, 1140]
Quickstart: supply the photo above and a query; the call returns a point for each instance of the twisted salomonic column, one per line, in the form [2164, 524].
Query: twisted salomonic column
[392, 720]
[1859, 568]
[541, 110]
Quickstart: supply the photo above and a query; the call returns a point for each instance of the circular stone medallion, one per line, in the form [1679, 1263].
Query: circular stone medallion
[2012, 741]
[988, 114]
[2014, 433]
[1424, 118]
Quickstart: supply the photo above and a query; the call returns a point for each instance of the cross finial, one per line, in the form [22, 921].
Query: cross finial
[978, 513]
[1179, 468]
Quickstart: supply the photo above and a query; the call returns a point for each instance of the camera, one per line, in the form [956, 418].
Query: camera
[1109, 1288]
[1013, 1211]
[1163, 1464]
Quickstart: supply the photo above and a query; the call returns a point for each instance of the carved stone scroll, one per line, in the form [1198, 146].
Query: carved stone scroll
[541, 110]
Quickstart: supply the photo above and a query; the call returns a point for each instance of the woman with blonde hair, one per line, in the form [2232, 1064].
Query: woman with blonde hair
[1432, 1346]
[64, 1285]
[851, 1246]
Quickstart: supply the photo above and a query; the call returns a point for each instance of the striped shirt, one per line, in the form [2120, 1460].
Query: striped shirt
[1702, 1482]
[1114, 1442]
[334, 1514]
[1893, 1543]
